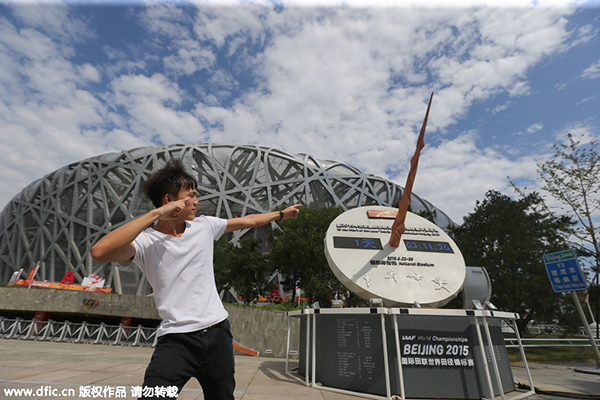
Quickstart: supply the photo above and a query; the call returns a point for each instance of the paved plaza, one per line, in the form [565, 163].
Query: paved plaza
[110, 372]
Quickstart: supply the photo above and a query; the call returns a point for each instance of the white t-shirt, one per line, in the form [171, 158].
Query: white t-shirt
[180, 270]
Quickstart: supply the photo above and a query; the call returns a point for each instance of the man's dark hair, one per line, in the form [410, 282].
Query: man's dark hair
[169, 179]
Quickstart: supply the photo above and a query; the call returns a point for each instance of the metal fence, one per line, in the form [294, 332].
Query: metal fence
[80, 332]
[554, 329]
[549, 329]
[533, 342]
[83, 332]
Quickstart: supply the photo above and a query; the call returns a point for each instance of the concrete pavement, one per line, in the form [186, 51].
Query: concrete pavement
[77, 371]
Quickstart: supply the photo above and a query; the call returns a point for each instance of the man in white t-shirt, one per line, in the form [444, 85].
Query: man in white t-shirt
[176, 256]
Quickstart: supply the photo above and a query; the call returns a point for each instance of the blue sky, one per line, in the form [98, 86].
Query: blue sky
[348, 83]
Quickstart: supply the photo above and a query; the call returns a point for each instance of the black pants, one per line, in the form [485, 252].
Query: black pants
[206, 355]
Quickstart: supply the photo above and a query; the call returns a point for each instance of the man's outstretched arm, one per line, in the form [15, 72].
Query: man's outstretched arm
[256, 220]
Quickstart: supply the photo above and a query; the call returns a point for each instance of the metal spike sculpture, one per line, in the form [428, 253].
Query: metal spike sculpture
[398, 227]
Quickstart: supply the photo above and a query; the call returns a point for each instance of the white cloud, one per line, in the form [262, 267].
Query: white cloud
[329, 81]
[593, 71]
[53, 21]
[585, 34]
[457, 173]
[587, 100]
[189, 57]
[157, 88]
[172, 27]
[501, 107]
[43, 104]
[560, 86]
[586, 131]
[344, 84]
[535, 128]
[520, 88]
[49, 114]
[166, 21]
[151, 104]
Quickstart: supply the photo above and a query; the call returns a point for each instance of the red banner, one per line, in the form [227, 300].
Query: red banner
[56, 285]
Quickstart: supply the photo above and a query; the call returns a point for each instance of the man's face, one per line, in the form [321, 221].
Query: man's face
[189, 196]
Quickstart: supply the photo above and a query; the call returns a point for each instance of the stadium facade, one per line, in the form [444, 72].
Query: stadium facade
[56, 219]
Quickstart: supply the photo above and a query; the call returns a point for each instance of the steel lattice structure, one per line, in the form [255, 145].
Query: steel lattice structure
[58, 218]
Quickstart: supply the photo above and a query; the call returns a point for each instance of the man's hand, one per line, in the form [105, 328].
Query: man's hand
[291, 211]
[171, 209]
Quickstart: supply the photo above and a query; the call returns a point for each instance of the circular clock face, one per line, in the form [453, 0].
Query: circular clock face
[426, 268]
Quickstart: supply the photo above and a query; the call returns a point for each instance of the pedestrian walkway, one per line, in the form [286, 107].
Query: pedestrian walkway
[67, 371]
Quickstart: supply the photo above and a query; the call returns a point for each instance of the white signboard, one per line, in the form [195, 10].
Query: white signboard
[426, 268]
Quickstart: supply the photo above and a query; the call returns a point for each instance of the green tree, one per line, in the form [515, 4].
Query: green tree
[223, 258]
[572, 176]
[297, 251]
[242, 267]
[249, 269]
[508, 237]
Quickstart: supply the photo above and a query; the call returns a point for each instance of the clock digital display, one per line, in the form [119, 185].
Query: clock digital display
[427, 246]
[345, 242]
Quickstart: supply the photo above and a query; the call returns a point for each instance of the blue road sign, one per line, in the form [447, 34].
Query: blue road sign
[564, 272]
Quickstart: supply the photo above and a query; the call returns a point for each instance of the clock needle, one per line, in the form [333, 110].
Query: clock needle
[398, 227]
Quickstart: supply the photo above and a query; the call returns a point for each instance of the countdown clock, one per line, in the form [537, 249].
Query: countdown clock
[426, 268]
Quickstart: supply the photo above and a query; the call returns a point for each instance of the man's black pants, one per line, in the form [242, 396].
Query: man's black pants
[206, 355]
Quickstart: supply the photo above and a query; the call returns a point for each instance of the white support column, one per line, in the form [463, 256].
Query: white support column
[399, 356]
[486, 368]
[493, 355]
[386, 363]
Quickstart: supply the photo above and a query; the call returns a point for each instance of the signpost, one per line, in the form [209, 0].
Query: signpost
[564, 272]
[565, 276]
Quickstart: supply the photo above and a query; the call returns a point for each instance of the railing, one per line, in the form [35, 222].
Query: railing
[533, 342]
[81, 332]
[549, 329]
[555, 329]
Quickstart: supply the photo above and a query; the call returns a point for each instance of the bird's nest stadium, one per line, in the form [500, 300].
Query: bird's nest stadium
[56, 219]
